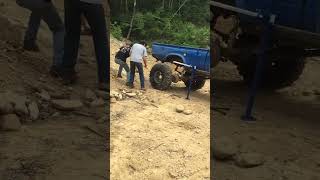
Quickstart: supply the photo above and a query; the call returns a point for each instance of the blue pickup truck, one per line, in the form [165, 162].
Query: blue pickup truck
[177, 64]
[237, 29]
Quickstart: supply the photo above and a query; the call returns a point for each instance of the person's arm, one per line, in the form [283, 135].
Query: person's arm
[145, 62]
[145, 58]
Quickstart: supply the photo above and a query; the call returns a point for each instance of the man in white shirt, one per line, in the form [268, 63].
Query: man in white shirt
[138, 55]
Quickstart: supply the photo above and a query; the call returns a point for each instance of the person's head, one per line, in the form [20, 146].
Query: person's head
[144, 43]
[128, 43]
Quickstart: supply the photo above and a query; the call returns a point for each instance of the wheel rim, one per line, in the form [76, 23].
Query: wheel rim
[158, 77]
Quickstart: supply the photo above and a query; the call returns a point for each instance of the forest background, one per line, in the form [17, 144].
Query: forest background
[180, 22]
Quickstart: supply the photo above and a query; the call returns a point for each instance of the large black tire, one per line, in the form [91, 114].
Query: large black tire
[196, 84]
[161, 76]
[280, 70]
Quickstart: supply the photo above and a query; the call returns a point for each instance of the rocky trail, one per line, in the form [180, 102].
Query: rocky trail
[48, 131]
[158, 134]
[284, 141]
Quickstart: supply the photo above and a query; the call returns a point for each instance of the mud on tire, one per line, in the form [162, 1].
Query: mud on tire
[161, 76]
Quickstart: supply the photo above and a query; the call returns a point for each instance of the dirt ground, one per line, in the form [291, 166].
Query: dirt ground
[286, 132]
[59, 144]
[149, 139]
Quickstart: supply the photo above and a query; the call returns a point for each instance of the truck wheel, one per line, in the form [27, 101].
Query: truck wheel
[279, 72]
[161, 76]
[196, 84]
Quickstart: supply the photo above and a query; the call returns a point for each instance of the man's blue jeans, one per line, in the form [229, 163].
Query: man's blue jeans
[139, 66]
[44, 10]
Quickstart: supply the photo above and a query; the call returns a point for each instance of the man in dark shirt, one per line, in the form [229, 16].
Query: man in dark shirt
[121, 58]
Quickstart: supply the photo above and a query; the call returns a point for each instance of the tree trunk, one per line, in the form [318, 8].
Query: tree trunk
[132, 19]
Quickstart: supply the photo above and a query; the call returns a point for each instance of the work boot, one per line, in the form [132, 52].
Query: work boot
[30, 46]
[54, 71]
[130, 85]
[69, 77]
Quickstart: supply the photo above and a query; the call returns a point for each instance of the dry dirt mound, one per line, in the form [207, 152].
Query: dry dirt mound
[149, 138]
[284, 141]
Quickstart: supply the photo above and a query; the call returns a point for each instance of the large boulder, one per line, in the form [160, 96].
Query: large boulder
[224, 148]
[249, 160]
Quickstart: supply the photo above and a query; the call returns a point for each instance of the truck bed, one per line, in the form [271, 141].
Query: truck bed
[198, 57]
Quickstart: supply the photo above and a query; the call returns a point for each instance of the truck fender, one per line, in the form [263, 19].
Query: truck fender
[175, 57]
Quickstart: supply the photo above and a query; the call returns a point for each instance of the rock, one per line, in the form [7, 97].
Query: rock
[33, 111]
[249, 160]
[187, 112]
[90, 95]
[59, 95]
[306, 93]
[97, 103]
[173, 174]
[224, 148]
[67, 105]
[42, 79]
[70, 89]
[113, 94]
[6, 107]
[316, 92]
[113, 100]
[119, 97]
[131, 94]
[103, 94]
[44, 95]
[180, 108]
[56, 114]
[19, 103]
[35, 86]
[10, 122]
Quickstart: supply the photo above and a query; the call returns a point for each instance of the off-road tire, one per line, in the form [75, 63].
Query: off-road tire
[196, 84]
[279, 72]
[166, 76]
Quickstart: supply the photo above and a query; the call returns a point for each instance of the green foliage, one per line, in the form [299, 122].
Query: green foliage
[159, 20]
[116, 31]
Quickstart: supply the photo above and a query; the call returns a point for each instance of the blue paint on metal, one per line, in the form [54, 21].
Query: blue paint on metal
[198, 57]
[300, 14]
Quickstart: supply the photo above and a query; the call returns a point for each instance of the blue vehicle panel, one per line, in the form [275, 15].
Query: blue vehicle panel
[300, 14]
[192, 56]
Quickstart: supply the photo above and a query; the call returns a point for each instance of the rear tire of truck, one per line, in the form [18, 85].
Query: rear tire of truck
[280, 71]
[161, 76]
[196, 84]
